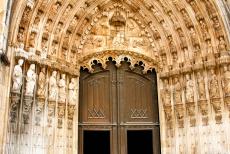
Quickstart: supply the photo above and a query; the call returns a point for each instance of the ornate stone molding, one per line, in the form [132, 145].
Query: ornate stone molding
[118, 56]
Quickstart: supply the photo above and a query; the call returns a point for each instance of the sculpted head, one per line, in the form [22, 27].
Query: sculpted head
[187, 77]
[72, 80]
[212, 71]
[43, 70]
[63, 76]
[54, 73]
[176, 79]
[20, 62]
[225, 68]
[165, 82]
[32, 66]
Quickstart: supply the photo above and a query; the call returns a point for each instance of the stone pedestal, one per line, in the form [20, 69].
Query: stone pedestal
[39, 110]
[51, 111]
[27, 104]
[168, 115]
[14, 106]
[179, 108]
[216, 104]
[61, 114]
[190, 107]
[203, 107]
[71, 109]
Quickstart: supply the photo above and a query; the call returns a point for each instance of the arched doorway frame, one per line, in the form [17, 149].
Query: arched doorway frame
[102, 57]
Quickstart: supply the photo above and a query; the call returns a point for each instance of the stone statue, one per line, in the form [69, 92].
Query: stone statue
[166, 93]
[189, 93]
[44, 52]
[194, 36]
[226, 81]
[62, 89]
[204, 29]
[209, 47]
[73, 92]
[177, 91]
[53, 86]
[213, 85]
[201, 86]
[222, 45]
[42, 83]
[30, 80]
[17, 76]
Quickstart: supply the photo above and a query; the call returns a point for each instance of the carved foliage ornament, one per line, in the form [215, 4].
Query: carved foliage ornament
[118, 57]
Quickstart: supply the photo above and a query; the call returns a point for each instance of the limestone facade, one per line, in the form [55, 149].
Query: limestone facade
[48, 41]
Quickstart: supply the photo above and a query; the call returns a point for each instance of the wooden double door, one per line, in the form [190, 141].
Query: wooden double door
[114, 104]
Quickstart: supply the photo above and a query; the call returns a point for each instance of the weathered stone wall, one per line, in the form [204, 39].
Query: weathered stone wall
[187, 42]
[4, 71]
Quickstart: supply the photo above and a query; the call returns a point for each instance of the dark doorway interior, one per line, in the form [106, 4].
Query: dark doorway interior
[96, 142]
[140, 142]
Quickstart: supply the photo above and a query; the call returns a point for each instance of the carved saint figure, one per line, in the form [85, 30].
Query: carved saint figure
[201, 86]
[73, 92]
[53, 86]
[62, 89]
[21, 48]
[177, 89]
[213, 85]
[44, 52]
[30, 80]
[226, 81]
[42, 83]
[189, 89]
[222, 45]
[119, 40]
[17, 76]
[193, 36]
[204, 29]
[166, 93]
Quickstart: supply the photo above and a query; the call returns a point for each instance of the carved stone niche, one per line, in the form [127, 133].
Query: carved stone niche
[215, 95]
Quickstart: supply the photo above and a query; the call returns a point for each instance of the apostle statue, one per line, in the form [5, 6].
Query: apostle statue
[30, 80]
[177, 91]
[17, 76]
[189, 93]
[213, 85]
[226, 81]
[42, 83]
[53, 86]
[73, 92]
[201, 86]
[62, 89]
[166, 93]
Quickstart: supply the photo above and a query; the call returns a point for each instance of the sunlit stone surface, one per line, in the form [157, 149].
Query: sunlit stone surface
[186, 41]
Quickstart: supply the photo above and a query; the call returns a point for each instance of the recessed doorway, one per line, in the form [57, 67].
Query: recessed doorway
[139, 141]
[96, 142]
[118, 99]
